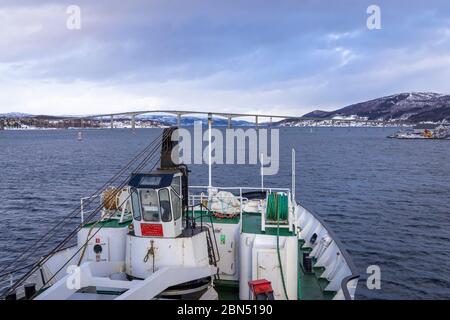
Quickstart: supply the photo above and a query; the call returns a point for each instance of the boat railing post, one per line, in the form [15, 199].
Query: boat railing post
[122, 215]
[82, 210]
[209, 154]
[201, 210]
[240, 217]
[263, 217]
[290, 213]
[262, 171]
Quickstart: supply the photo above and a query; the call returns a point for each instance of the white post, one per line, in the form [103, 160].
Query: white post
[209, 152]
[293, 175]
[82, 211]
[261, 159]
[240, 212]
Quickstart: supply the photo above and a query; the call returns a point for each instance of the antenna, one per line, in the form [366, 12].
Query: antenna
[209, 152]
[293, 175]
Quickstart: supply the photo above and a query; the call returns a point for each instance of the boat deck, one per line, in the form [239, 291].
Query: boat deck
[310, 285]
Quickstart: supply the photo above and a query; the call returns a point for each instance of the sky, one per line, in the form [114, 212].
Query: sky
[283, 57]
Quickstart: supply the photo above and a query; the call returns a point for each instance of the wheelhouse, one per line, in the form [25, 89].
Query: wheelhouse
[157, 203]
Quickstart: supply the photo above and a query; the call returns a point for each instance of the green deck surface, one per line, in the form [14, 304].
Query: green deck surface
[310, 285]
[227, 289]
[207, 217]
[111, 223]
[251, 223]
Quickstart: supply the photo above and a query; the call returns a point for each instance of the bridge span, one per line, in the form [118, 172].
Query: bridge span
[229, 116]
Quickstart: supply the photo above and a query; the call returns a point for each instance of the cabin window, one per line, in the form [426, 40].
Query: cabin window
[164, 203]
[176, 204]
[136, 205]
[176, 185]
[149, 201]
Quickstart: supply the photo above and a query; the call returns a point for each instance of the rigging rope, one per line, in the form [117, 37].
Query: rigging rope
[87, 240]
[32, 248]
[140, 166]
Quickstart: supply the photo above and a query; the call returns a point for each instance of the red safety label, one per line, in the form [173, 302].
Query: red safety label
[151, 229]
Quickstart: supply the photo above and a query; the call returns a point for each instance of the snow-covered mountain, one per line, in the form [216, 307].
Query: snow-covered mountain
[414, 107]
[15, 115]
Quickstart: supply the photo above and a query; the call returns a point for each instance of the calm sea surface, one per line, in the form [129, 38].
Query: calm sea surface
[387, 200]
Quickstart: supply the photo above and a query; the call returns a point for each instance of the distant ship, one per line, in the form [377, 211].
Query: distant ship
[441, 132]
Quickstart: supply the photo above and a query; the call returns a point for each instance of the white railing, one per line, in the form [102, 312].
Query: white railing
[82, 206]
[329, 253]
[201, 197]
[241, 188]
[103, 212]
[291, 215]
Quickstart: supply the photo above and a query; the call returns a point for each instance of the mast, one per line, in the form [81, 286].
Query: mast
[209, 152]
[293, 175]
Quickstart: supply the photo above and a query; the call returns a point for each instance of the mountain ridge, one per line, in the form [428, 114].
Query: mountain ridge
[412, 107]
[409, 106]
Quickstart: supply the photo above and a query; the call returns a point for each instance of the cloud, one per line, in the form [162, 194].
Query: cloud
[288, 56]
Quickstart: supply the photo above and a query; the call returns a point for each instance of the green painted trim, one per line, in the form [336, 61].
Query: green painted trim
[318, 271]
[251, 223]
[227, 283]
[206, 218]
[310, 285]
[110, 223]
[227, 289]
[112, 293]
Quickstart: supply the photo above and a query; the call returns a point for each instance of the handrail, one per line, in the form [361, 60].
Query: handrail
[240, 188]
[212, 223]
[240, 198]
[344, 285]
[347, 258]
[11, 273]
[82, 200]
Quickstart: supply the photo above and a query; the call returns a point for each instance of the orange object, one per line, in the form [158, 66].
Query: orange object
[261, 286]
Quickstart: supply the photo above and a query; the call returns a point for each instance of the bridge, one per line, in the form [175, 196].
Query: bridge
[227, 115]
[230, 116]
